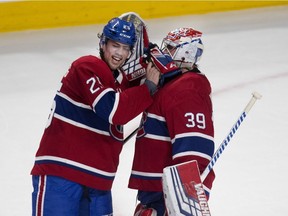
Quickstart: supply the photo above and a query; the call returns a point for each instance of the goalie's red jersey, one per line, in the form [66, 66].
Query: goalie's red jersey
[83, 137]
[177, 127]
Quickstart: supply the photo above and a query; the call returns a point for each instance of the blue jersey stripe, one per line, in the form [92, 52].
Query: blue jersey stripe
[104, 106]
[80, 114]
[193, 144]
[156, 127]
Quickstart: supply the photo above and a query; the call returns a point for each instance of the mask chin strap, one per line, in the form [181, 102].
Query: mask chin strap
[182, 60]
[187, 67]
[179, 63]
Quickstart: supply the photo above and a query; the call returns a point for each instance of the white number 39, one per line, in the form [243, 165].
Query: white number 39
[195, 120]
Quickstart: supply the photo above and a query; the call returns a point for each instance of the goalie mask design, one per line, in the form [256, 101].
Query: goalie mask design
[119, 30]
[184, 45]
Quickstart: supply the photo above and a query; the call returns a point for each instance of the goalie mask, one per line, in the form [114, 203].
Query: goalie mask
[184, 45]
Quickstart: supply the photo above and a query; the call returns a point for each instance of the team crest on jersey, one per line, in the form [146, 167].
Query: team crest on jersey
[116, 132]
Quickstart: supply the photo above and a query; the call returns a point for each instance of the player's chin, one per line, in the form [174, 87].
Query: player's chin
[116, 65]
[112, 66]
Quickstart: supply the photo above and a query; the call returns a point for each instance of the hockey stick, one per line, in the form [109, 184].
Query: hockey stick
[221, 148]
[182, 183]
[130, 136]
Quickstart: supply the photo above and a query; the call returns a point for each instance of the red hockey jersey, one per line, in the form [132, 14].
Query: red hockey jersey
[177, 127]
[83, 137]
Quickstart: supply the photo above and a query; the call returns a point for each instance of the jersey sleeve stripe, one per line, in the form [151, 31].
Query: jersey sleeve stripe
[191, 134]
[116, 102]
[193, 144]
[192, 153]
[107, 104]
[98, 98]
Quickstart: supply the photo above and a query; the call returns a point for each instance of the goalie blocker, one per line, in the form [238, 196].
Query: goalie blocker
[182, 185]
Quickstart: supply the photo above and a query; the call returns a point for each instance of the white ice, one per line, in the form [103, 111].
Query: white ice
[245, 51]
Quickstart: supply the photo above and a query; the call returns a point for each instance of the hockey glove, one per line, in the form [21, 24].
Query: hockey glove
[163, 62]
[132, 68]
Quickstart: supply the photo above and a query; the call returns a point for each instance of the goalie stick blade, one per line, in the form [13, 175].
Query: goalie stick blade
[183, 190]
[132, 68]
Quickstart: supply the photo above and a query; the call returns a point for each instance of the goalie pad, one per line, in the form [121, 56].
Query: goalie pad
[183, 190]
[132, 68]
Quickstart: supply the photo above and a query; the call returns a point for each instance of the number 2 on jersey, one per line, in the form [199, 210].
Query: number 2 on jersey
[93, 82]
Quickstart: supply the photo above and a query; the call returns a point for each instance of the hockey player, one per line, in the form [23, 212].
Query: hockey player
[79, 151]
[177, 127]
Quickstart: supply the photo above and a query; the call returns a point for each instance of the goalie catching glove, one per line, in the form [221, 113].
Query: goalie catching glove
[162, 61]
[133, 70]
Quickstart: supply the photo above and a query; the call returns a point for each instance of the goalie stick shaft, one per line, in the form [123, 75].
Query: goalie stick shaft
[130, 136]
[221, 148]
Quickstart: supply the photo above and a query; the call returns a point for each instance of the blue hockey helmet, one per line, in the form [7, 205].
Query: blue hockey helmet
[121, 31]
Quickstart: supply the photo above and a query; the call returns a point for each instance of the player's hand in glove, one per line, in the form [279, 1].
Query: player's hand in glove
[163, 62]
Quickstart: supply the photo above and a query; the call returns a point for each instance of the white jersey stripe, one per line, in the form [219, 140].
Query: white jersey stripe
[160, 118]
[156, 137]
[85, 106]
[76, 164]
[117, 98]
[77, 124]
[194, 153]
[192, 134]
[147, 174]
